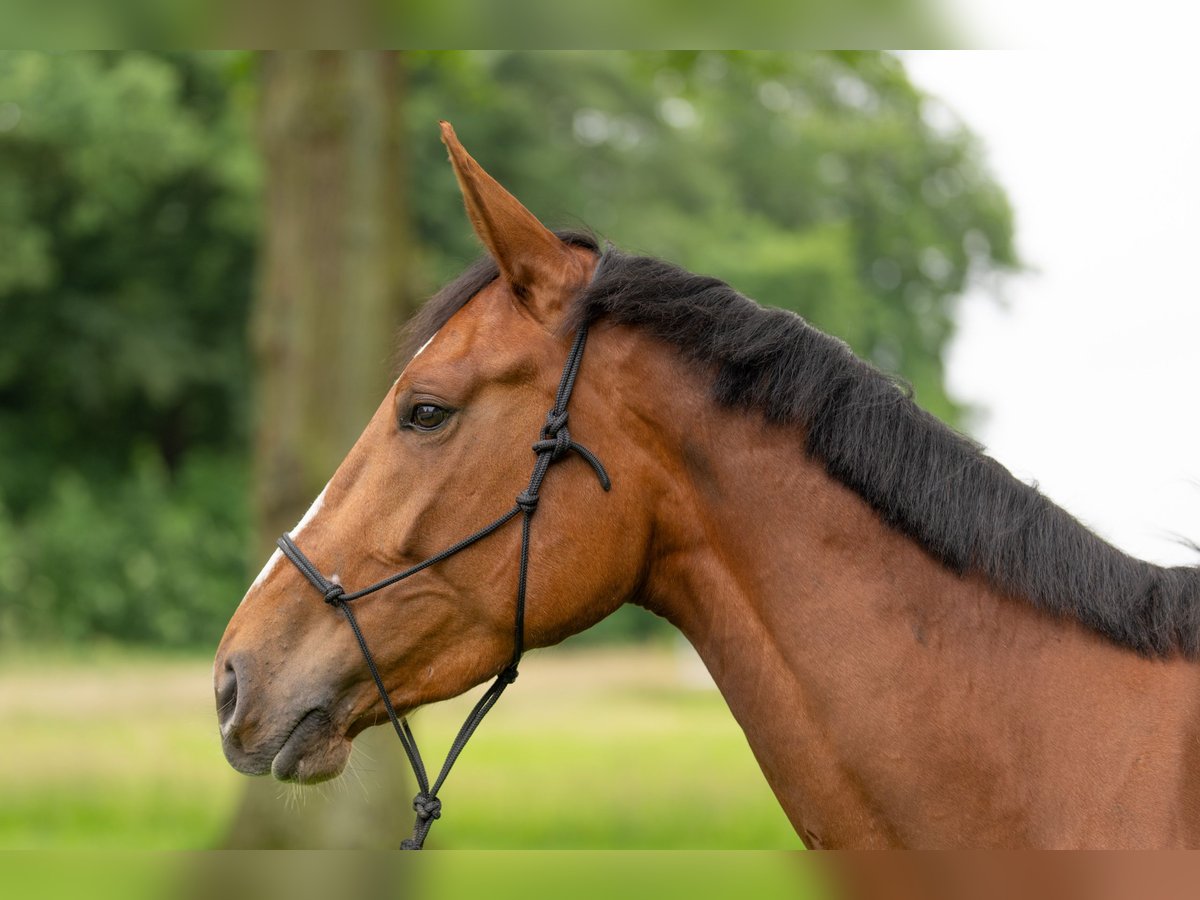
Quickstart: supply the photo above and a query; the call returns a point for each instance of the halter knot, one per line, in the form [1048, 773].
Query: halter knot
[527, 500]
[509, 675]
[333, 594]
[555, 422]
[427, 807]
[556, 438]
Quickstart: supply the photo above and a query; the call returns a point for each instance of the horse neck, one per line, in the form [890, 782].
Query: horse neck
[866, 676]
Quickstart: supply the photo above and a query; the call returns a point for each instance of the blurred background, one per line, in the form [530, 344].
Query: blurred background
[205, 259]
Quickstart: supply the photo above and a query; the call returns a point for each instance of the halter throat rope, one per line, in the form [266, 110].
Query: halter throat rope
[553, 445]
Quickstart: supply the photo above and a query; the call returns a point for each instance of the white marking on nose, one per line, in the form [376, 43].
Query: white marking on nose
[295, 532]
[267, 569]
[308, 516]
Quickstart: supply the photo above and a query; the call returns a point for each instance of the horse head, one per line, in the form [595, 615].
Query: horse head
[447, 451]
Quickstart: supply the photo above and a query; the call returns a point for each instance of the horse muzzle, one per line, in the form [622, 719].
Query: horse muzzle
[297, 742]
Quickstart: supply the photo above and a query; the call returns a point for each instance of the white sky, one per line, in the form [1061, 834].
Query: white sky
[1057, 24]
[1090, 377]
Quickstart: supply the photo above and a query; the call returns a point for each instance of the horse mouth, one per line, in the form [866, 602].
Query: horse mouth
[312, 752]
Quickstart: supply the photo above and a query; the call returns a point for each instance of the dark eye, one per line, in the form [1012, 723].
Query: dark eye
[428, 416]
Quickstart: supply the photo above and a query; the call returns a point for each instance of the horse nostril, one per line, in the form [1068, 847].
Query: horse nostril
[227, 694]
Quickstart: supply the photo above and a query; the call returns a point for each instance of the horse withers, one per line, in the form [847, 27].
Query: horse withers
[922, 650]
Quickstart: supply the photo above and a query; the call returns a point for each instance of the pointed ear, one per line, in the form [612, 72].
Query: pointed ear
[540, 269]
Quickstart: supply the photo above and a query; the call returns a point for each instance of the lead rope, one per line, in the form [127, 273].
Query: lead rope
[554, 443]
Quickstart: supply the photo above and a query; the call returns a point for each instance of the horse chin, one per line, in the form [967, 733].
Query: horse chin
[313, 752]
[372, 718]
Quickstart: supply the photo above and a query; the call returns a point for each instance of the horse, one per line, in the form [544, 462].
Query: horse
[922, 650]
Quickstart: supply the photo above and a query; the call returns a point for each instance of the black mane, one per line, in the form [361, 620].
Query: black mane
[923, 478]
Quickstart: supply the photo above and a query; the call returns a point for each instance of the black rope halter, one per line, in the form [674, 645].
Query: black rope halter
[555, 443]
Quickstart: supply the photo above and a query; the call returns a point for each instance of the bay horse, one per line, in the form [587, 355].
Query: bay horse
[922, 650]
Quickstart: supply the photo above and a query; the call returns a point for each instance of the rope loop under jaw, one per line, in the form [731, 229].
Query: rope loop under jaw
[555, 444]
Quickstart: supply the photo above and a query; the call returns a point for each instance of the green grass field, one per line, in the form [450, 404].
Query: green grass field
[591, 749]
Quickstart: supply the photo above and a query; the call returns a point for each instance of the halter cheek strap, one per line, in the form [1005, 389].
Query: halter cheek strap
[554, 443]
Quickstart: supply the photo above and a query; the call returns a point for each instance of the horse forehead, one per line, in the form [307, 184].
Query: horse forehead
[490, 327]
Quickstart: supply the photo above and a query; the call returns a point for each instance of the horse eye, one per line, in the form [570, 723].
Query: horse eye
[427, 416]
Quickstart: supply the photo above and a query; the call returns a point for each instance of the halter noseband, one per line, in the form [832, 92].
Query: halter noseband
[555, 442]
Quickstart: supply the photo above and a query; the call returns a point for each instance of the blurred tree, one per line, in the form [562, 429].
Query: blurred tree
[332, 292]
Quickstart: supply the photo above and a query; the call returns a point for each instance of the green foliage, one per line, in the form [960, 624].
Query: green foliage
[148, 557]
[126, 198]
[127, 209]
[821, 182]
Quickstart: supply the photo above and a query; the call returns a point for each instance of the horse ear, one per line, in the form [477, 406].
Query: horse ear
[539, 267]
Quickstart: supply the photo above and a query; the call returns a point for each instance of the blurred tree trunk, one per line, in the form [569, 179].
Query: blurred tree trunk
[331, 296]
